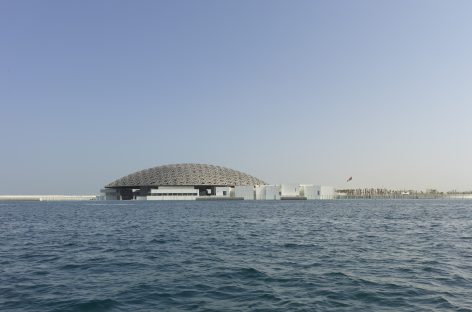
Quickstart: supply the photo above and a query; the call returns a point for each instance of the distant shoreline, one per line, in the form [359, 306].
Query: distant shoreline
[47, 197]
[339, 196]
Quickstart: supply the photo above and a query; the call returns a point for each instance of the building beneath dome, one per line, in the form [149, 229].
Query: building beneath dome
[206, 182]
[183, 182]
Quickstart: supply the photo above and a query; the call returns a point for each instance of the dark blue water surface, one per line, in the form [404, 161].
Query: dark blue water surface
[236, 256]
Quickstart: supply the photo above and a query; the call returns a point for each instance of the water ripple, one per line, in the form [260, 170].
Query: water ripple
[234, 256]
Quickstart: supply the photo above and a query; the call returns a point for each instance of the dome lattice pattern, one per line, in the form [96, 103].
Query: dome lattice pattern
[186, 174]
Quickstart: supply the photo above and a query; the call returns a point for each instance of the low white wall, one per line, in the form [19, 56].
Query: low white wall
[171, 197]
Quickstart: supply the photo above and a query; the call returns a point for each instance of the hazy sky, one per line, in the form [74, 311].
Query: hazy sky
[288, 91]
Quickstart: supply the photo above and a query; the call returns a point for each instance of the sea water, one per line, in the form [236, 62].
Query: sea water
[364, 255]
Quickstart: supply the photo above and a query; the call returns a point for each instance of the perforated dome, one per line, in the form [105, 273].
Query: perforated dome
[186, 175]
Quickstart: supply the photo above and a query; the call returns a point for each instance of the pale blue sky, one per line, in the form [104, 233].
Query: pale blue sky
[289, 91]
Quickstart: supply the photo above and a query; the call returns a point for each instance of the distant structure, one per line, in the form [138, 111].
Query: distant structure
[47, 197]
[381, 193]
[180, 182]
[209, 182]
[205, 182]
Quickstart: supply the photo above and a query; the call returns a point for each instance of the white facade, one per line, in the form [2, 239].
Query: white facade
[272, 192]
[327, 192]
[290, 190]
[310, 191]
[245, 192]
[260, 192]
[223, 191]
[267, 192]
[173, 193]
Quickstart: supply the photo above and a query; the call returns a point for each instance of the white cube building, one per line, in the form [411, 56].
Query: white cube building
[310, 191]
[327, 192]
[267, 192]
[244, 191]
[222, 191]
[290, 190]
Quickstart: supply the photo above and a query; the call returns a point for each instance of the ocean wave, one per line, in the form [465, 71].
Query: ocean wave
[366, 256]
